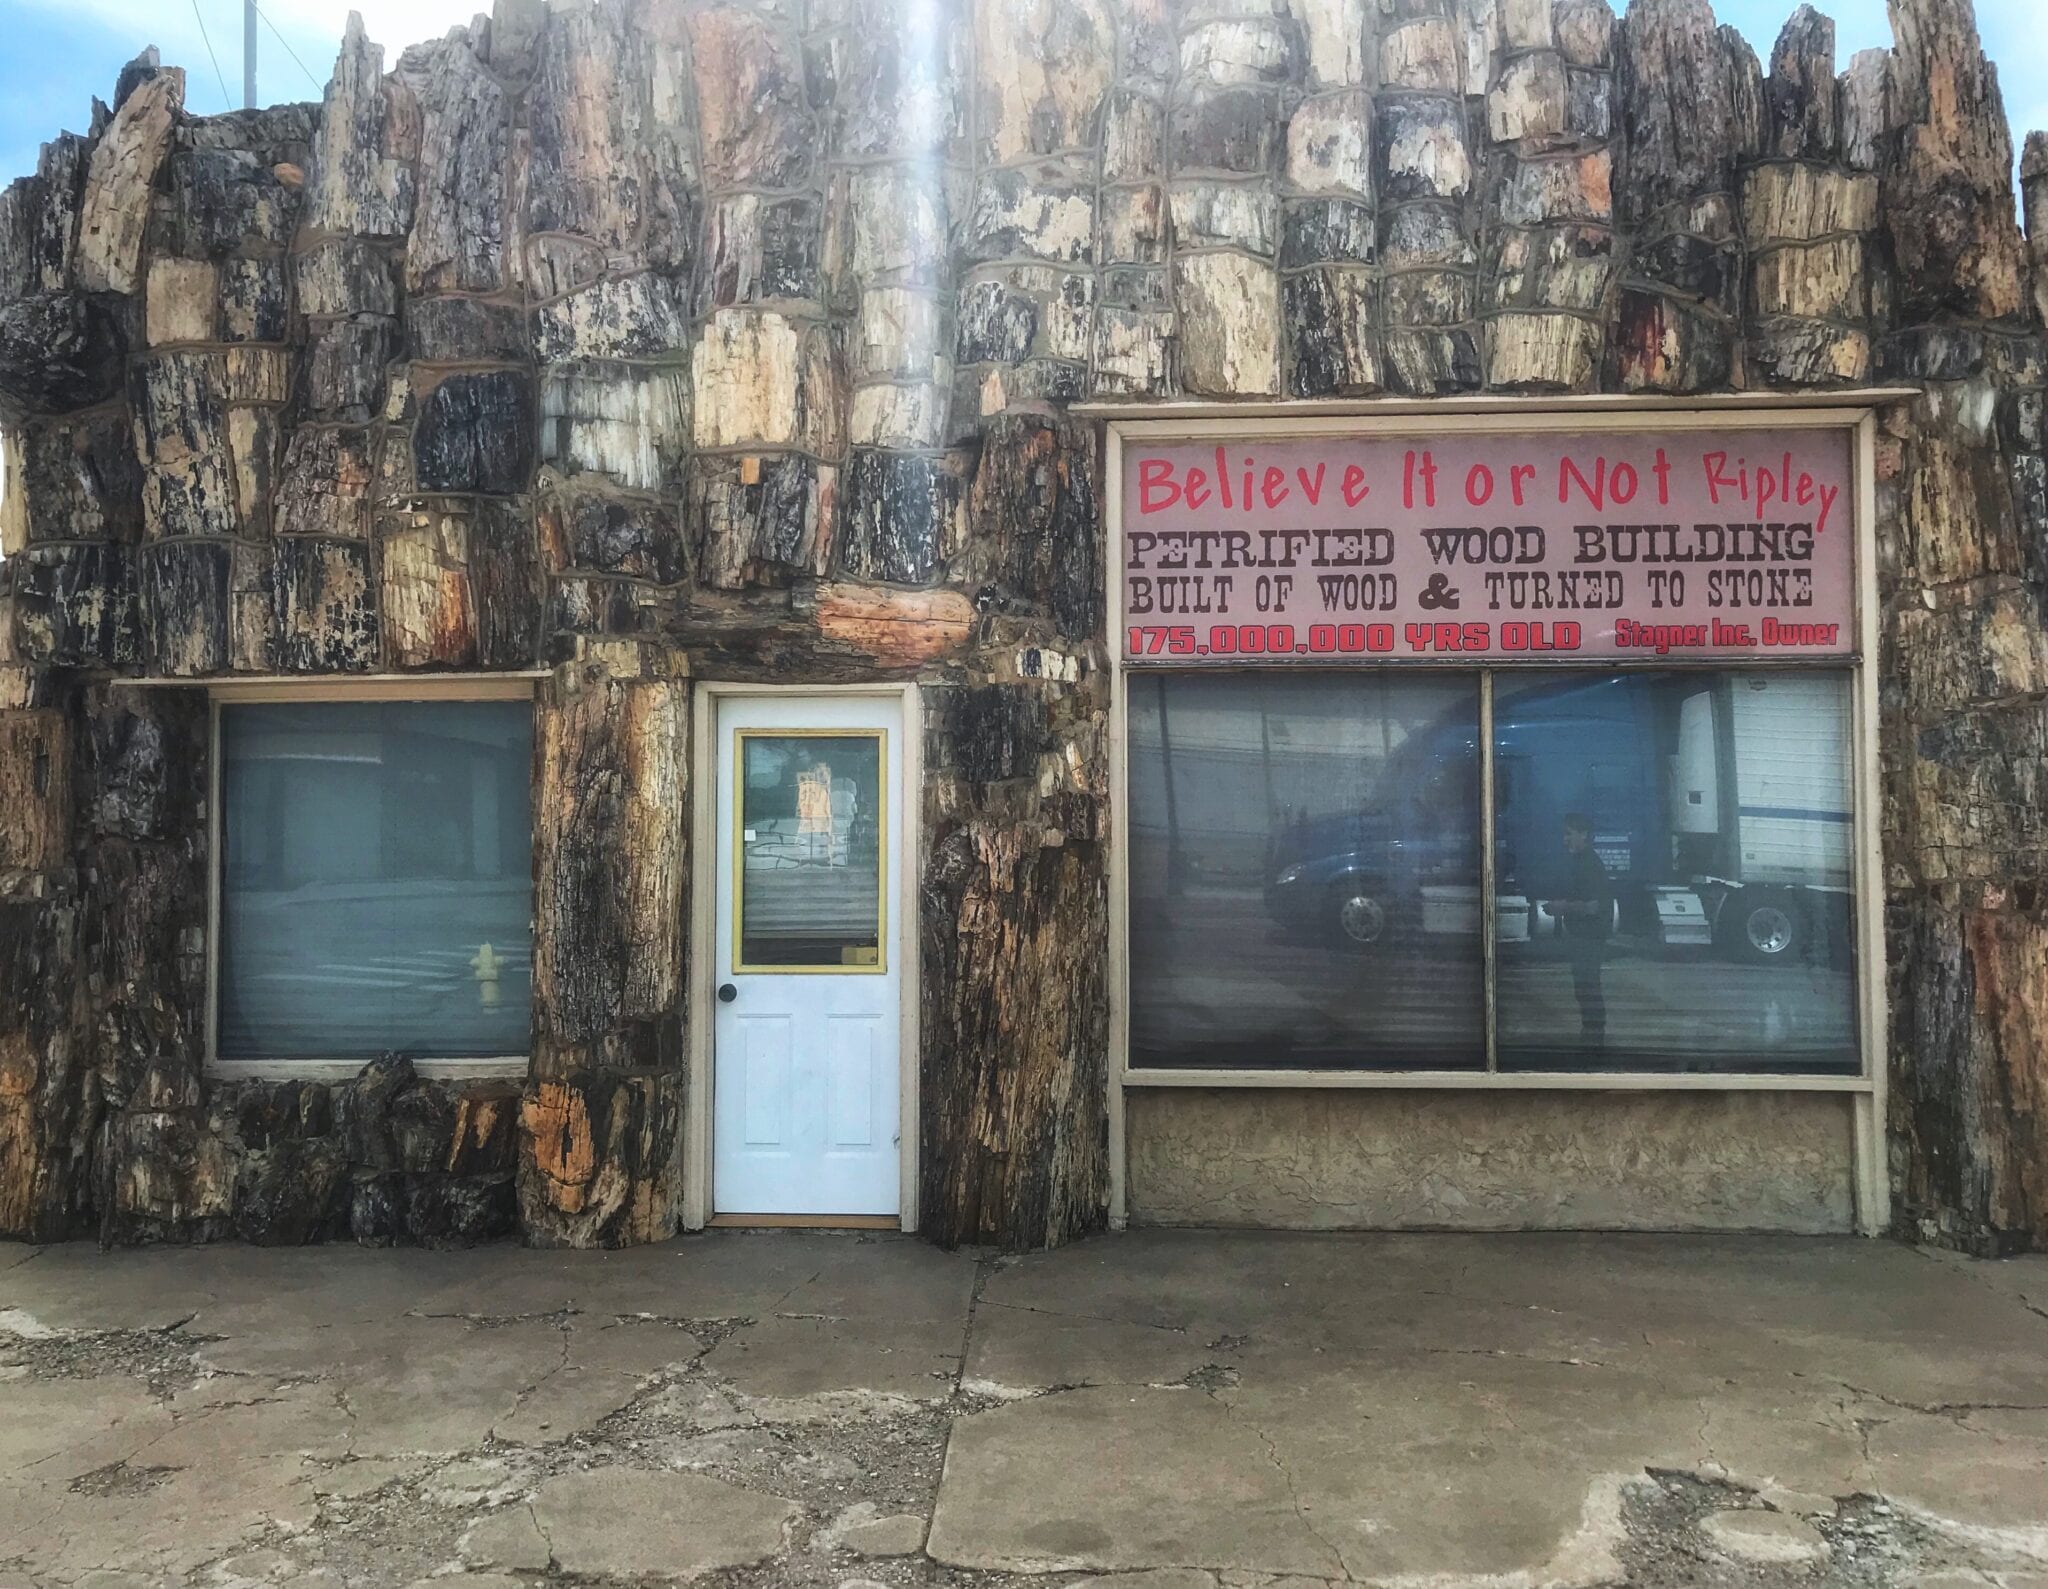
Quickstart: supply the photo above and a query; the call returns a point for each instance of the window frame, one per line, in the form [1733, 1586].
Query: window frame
[520, 686]
[743, 967]
[1854, 413]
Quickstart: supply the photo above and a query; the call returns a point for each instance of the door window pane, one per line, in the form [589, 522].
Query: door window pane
[377, 884]
[812, 847]
[1675, 859]
[1304, 871]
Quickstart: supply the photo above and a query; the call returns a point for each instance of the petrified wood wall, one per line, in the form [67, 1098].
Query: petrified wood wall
[658, 339]
[601, 1134]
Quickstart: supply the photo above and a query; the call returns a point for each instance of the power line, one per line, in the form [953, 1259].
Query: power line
[226, 97]
[301, 65]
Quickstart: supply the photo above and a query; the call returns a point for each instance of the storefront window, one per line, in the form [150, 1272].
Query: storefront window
[1674, 861]
[377, 890]
[1672, 873]
[1304, 872]
[1483, 744]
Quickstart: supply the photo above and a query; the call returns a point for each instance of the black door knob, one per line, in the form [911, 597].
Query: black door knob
[727, 993]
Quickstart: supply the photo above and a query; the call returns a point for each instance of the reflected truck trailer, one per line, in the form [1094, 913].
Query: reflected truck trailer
[1719, 803]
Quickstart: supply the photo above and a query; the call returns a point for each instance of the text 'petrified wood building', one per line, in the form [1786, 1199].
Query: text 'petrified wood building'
[612, 351]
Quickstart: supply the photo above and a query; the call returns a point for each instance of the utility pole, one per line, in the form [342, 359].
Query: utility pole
[248, 54]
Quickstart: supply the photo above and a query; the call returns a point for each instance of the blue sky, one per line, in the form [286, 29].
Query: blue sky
[62, 52]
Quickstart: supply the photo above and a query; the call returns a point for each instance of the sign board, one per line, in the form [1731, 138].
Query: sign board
[1671, 545]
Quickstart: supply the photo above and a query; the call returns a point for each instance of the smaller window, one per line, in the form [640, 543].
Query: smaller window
[376, 891]
[812, 851]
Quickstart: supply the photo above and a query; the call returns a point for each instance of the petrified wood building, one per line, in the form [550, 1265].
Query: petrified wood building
[615, 350]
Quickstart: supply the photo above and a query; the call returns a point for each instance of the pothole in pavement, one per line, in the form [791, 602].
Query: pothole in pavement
[1866, 1543]
[838, 1451]
[121, 1478]
[165, 1359]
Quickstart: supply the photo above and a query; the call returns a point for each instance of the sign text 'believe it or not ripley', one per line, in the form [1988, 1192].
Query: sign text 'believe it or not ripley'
[1724, 543]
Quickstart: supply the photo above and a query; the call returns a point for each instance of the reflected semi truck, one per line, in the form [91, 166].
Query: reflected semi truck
[1719, 804]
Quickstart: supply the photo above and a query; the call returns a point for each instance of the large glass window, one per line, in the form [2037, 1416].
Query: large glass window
[1304, 871]
[377, 883]
[1674, 855]
[1672, 871]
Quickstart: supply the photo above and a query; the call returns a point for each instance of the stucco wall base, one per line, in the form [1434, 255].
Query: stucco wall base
[1337, 1160]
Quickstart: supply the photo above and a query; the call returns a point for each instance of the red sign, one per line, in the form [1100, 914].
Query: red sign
[1723, 543]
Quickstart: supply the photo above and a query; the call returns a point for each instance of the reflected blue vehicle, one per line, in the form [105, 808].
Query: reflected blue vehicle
[1366, 877]
[1720, 808]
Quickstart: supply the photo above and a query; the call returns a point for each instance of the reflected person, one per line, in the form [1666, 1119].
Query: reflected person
[1585, 916]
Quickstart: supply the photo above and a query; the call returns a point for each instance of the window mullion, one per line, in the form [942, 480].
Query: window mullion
[1487, 880]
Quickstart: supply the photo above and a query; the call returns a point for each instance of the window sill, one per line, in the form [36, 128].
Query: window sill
[511, 1067]
[1495, 1081]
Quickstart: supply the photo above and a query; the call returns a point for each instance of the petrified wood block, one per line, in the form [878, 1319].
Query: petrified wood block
[361, 182]
[74, 605]
[58, 351]
[761, 520]
[608, 857]
[1014, 932]
[323, 604]
[601, 1165]
[458, 234]
[476, 433]
[119, 181]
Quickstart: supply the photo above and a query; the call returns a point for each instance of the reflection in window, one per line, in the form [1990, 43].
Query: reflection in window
[1304, 871]
[377, 889]
[812, 850]
[1675, 855]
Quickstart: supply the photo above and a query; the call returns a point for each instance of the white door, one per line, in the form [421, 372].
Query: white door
[806, 1023]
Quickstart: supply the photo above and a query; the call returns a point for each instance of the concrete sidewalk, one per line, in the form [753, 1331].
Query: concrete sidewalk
[1185, 1410]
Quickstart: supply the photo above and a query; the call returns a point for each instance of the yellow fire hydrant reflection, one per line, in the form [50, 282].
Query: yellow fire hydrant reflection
[486, 963]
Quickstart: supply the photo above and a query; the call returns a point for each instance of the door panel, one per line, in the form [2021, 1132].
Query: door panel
[764, 1047]
[807, 1052]
[851, 1045]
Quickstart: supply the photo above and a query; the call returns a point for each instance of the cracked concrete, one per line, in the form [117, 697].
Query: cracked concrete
[1162, 1410]
[632, 1523]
